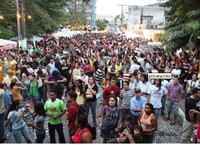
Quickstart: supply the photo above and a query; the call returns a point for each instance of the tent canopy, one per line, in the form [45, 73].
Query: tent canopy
[131, 35]
[66, 33]
[7, 44]
[63, 33]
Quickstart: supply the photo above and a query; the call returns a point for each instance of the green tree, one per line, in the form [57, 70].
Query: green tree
[183, 23]
[8, 23]
[101, 24]
[46, 17]
[77, 15]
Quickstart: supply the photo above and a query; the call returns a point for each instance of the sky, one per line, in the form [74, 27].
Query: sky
[110, 7]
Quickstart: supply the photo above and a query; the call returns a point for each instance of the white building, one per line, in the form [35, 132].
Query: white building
[149, 16]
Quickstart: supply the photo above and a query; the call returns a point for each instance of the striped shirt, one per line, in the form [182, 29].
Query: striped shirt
[126, 75]
[126, 97]
[99, 76]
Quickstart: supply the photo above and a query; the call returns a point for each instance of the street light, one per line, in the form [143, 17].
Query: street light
[1, 17]
[29, 17]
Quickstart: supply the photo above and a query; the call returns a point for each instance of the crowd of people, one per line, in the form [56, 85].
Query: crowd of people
[71, 76]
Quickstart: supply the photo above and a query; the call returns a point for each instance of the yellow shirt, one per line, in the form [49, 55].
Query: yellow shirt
[92, 65]
[1, 77]
[80, 99]
[12, 65]
[119, 67]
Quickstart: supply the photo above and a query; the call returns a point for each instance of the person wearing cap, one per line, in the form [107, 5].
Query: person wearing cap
[2, 116]
[137, 104]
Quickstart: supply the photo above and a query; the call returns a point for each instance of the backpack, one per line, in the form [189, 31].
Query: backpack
[59, 88]
[81, 109]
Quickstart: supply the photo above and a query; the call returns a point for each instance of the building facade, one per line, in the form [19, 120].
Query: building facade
[149, 16]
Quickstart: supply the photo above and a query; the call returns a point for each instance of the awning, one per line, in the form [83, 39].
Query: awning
[7, 44]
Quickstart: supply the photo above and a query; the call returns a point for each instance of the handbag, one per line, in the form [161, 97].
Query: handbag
[89, 95]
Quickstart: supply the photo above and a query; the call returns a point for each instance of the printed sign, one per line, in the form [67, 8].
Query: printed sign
[159, 76]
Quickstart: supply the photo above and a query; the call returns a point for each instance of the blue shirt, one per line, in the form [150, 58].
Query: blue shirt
[7, 99]
[140, 104]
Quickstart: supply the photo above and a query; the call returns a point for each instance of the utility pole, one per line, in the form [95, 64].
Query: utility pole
[23, 19]
[141, 17]
[122, 14]
[18, 22]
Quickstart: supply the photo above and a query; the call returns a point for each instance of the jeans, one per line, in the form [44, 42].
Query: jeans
[99, 93]
[93, 106]
[124, 112]
[157, 112]
[163, 105]
[59, 129]
[42, 94]
[174, 106]
[25, 93]
[187, 130]
[2, 127]
[18, 133]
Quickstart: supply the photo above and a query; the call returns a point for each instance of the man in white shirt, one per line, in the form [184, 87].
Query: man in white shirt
[193, 83]
[83, 77]
[134, 66]
[176, 71]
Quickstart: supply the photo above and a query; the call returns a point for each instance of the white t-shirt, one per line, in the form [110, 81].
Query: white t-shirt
[26, 80]
[164, 83]
[192, 84]
[132, 85]
[143, 87]
[176, 72]
[141, 61]
[134, 67]
[156, 95]
[84, 78]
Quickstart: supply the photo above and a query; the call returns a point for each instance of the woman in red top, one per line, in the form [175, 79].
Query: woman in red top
[83, 134]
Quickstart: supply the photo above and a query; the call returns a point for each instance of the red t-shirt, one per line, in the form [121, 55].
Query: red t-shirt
[71, 114]
[109, 91]
[77, 138]
[198, 131]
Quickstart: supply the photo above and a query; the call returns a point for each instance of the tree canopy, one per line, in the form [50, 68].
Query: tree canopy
[45, 17]
[183, 23]
[101, 24]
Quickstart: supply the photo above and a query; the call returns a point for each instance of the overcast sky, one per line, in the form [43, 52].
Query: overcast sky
[110, 7]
